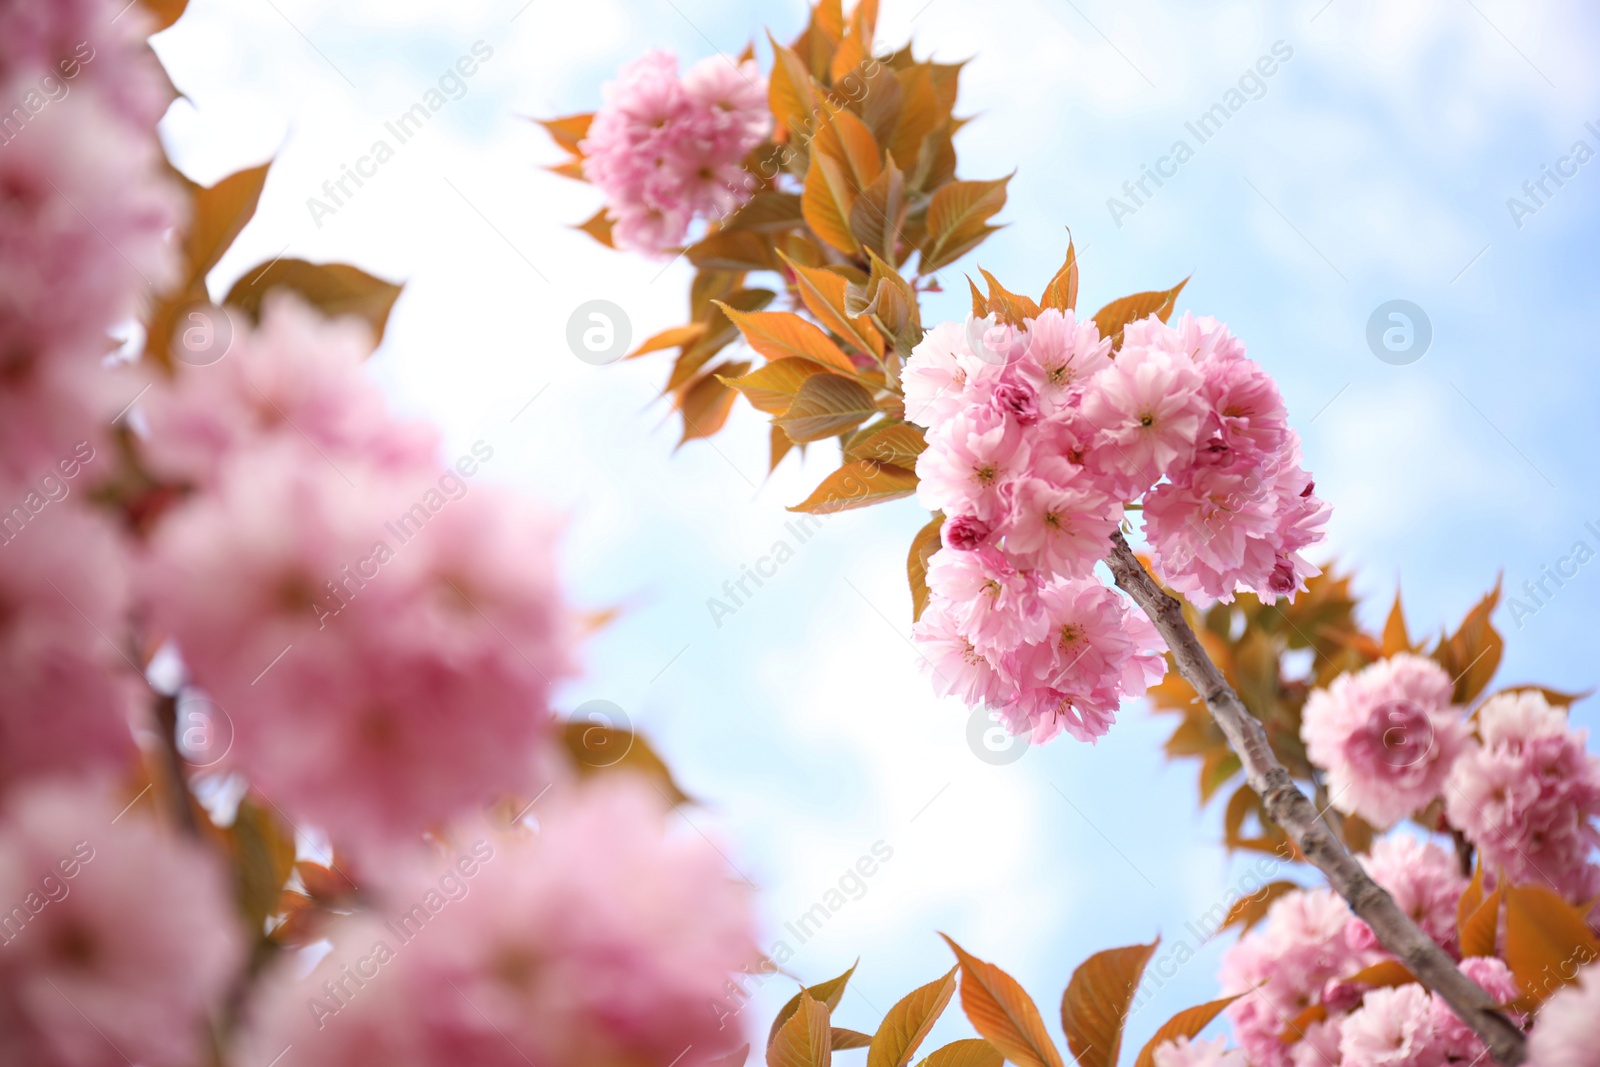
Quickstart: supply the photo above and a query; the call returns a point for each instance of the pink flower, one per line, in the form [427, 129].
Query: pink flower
[1425, 881]
[665, 150]
[969, 465]
[994, 605]
[953, 662]
[85, 46]
[69, 689]
[384, 651]
[1392, 1028]
[1566, 1031]
[298, 377]
[122, 939]
[1061, 530]
[1147, 406]
[1454, 1042]
[1280, 969]
[1095, 653]
[1526, 796]
[965, 533]
[942, 377]
[1386, 735]
[1061, 358]
[1196, 1052]
[604, 938]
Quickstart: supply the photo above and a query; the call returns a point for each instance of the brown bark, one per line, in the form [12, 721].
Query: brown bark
[1294, 813]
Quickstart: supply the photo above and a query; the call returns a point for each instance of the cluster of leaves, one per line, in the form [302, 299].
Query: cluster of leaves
[1274, 655]
[1094, 1009]
[857, 206]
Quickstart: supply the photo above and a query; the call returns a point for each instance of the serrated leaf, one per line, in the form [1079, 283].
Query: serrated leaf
[823, 292]
[879, 212]
[767, 212]
[335, 289]
[1395, 638]
[970, 1052]
[719, 331]
[1006, 1016]
[219, 213]
[1471, 655]
[844, 1038]
[920, 115]
[805, 1040]
[923, 546]
[889, 441]
[1095, 1004]
[1112, 318]
[789, 93]
[826, 406]
[957, 218]
[780, 444]
[1062, 292]
[1547, 940]
[907, 1025]
[772, 388]
[828, 993]
[1187, 1023]
[857, 485]
[1384, 974]
[1012, 308]
[777, 334]
[845, 160]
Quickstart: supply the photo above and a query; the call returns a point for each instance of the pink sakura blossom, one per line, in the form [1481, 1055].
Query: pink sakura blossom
[951, 660]
[943, 377]
[1567, 1030]
[1061, 358]
[1147, 408]
[971, 463]
[1387, 736]
[1060, 529]
[1425, 881]
[604, 938]
[1280, 970]
[1527, 793]
[1095, 652]
[1197, 1052]
[992, 603]
[69, 688]
[667, 150]
[86, 46]
[1392, 1028]
[385, 652]
[123, 938]
[298, 377]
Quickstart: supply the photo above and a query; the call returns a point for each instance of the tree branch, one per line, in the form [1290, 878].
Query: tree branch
[1290, 809]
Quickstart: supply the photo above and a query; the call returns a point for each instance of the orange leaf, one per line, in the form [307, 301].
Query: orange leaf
[705, 404]
[568, 131]
[164, 13]
[999, 1010]
[334, 289]
[1383, 975]
[889, 441]
[675, 337]
[1096, 1002]
[908, 1023]
[1062, 292]
[806, 1040]
[1247, 911]
[857, 485]
[776, 334]
[826, 406]
[1395, 638]
[598, 226]
[772, 388]
[969, 1052]
[219, 213]
[1114, 316]
[823, 293]
[923, 546]
[828, 994]
[1547, 940]
[1187, 1023]
[957, 220]
[1013, 308]
[790, 94]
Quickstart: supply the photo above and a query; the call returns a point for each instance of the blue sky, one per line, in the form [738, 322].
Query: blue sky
[1376, 165]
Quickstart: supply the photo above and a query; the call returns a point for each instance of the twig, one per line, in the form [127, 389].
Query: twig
[1290, 809]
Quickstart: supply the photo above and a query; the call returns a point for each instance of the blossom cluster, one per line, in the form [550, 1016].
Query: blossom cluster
[1038, 438]
[667, 149]
[1302, 1000]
